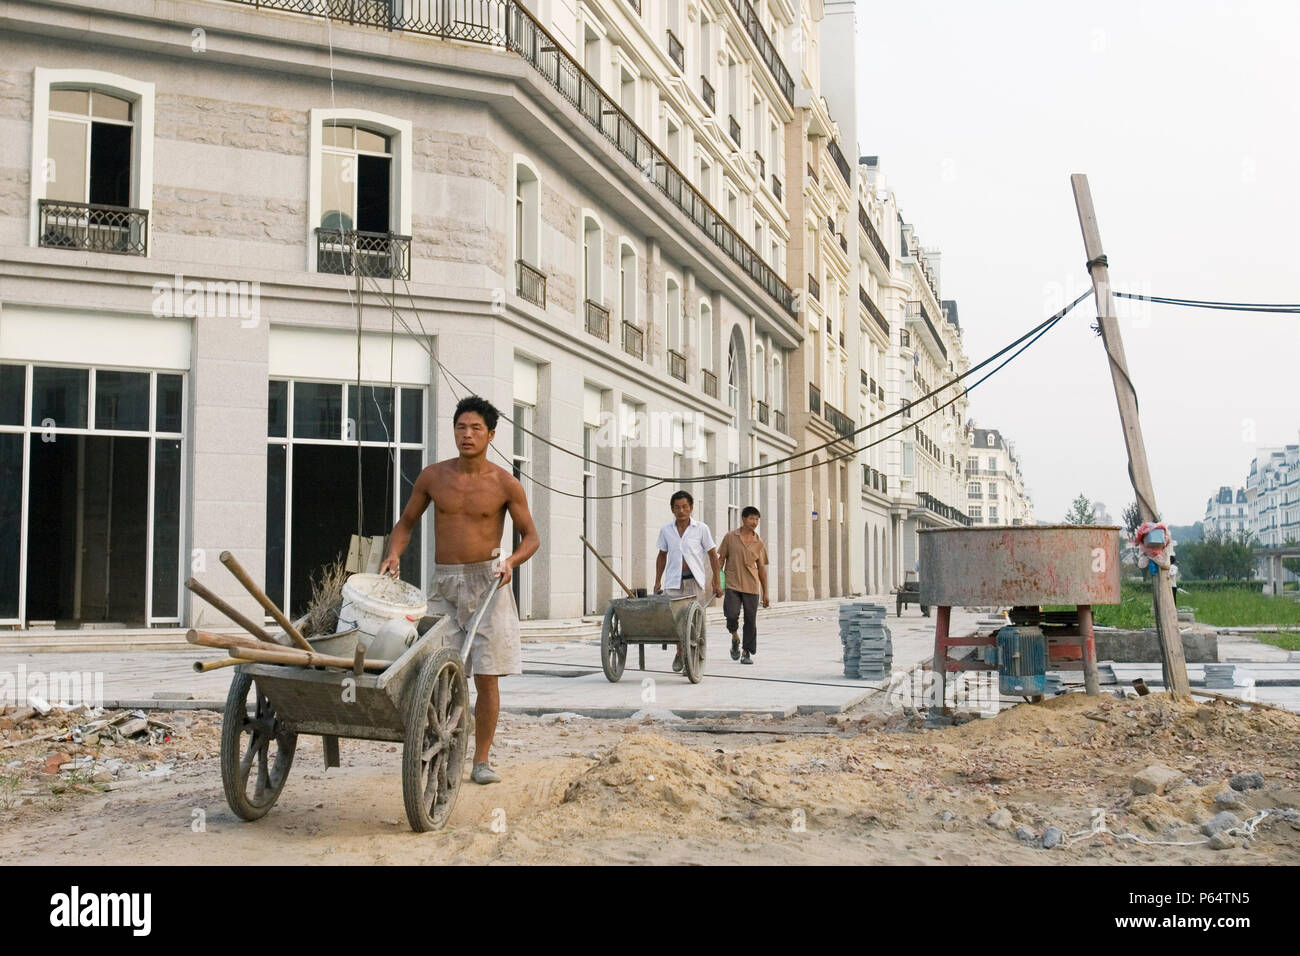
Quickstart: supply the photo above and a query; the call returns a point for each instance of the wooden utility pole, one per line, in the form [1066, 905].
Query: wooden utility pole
[1171, 641]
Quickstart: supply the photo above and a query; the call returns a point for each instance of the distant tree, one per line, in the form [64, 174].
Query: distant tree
[1081, 511]
[1132, 518]
[1291, 564]
[1218, 558]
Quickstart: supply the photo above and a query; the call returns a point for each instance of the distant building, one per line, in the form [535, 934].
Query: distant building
[1273, 495]
[995, 487]
[1226, 514]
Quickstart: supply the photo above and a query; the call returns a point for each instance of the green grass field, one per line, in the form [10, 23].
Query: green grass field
[1227, 607]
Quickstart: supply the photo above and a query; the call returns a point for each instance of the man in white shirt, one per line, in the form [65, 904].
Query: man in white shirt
[680, 570]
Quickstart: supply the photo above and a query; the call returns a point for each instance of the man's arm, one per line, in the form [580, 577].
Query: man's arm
[661, 562]
[717, 578]
[400, 536]
[530, 541]
[762, 580]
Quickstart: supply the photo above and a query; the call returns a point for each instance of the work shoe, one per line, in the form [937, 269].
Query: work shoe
[746, 659]
[735, 648]
[677, 663]
[483, 773]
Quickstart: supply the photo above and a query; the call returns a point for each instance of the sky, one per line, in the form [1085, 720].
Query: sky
[1186, 119]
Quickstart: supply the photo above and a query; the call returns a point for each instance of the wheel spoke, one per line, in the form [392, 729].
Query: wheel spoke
[435, 748]
[263, 775]
[246, 761]
[451, 725]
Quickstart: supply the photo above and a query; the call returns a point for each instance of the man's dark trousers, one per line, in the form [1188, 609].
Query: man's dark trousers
[732, 602]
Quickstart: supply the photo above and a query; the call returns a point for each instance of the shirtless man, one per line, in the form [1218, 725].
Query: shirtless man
[470, 499]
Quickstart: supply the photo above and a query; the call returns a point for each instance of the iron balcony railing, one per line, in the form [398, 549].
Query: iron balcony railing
[844, 243]
[839, 421]
[710, 383]
[766, 48]
[812, 174]
[916, 310]
[634, 4]
[676, 52]
[841, 163]
[830, 223]
[904, 338]
[94, 227]
[841, 338]
[677, 365]
[778, 422]
[709, 94]
[762, 165]
[509, 25]
[814, 287]
[873, 310]
[633, 340]
[866, 379]
[530, 283]
[380, 255]
[763, 412]
[776, 187]
[872, 236]
[814, 399]
[598, 320]
[733, 129]
[931, 503]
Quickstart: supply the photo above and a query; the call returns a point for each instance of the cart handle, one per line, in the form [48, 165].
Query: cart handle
[477, 619]
[606, 566]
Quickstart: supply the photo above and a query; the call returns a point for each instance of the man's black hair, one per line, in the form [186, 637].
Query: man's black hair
[681, 494]
[749, 510]
[476, 403]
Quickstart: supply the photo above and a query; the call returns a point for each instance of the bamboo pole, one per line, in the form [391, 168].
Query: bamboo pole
[202, 667]
[251, 650]
[225, 608]
[268, 605]
[1171, 640]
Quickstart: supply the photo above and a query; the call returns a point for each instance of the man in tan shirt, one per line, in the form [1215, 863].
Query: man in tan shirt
[744, 561]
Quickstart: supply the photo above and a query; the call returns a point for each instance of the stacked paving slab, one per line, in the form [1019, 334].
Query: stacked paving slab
[868, 645]
[1220, 676]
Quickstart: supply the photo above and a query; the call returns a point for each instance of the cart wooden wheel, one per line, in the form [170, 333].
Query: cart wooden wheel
[256, 752]
[693, 645]
[613, 647]
[437, 733]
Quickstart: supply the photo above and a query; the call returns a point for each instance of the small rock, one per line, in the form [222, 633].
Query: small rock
[1219, 822]
[1247, 780]
[1221, 841]
[101, 776]
[1000, 819]
[136, 725]
[946, 816]
[1204, 715]
[1157, 779]
[1052, 836]
[54, 761]
[1026, 835]
[1228, 800]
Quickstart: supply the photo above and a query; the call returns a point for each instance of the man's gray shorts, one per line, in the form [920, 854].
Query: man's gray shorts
[455, 591]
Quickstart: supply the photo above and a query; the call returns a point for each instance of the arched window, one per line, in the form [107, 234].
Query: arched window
[592, 242]
[706, 336]
[673, 313]
[760, 373]
[627, 283]
[778, 385]
[527, 196]
[733, 382]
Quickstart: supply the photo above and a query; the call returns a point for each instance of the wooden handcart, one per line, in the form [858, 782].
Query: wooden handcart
[421, 700]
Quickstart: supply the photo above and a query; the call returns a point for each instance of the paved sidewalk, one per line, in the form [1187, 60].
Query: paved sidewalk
[798, 669]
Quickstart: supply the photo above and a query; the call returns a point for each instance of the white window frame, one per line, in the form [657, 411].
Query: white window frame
[141, 95]
[594, 280]
[628, 297]
[399, 133]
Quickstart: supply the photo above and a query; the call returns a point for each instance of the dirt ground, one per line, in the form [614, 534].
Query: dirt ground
[868, 787]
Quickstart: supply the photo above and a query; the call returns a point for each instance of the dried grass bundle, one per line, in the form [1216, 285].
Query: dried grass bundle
[326, 599]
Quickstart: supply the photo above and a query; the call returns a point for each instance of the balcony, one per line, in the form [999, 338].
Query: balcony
[761, 164]
[379, 255]
[839, 421]
[866, 380]
[841, 163]
[763, 410]
[598, 320]
[766, 48]
[814, 399]
[676, 52]
[635, 5]
[842, 339]
[872, 236]
[812, 174]
[530, 283]
[916, 311]
[633, 340]
[733, 130]
[844, 243]
[710, 383]
[93, 227]
[677, 365]
[776, 187]
[778, 422]
[947, 512]
[708, 93]
[814, 287]
[873, 310]
[871, 388]
[905, 338]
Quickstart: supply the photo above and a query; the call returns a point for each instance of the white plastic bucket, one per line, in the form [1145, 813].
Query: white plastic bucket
[372, 600]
